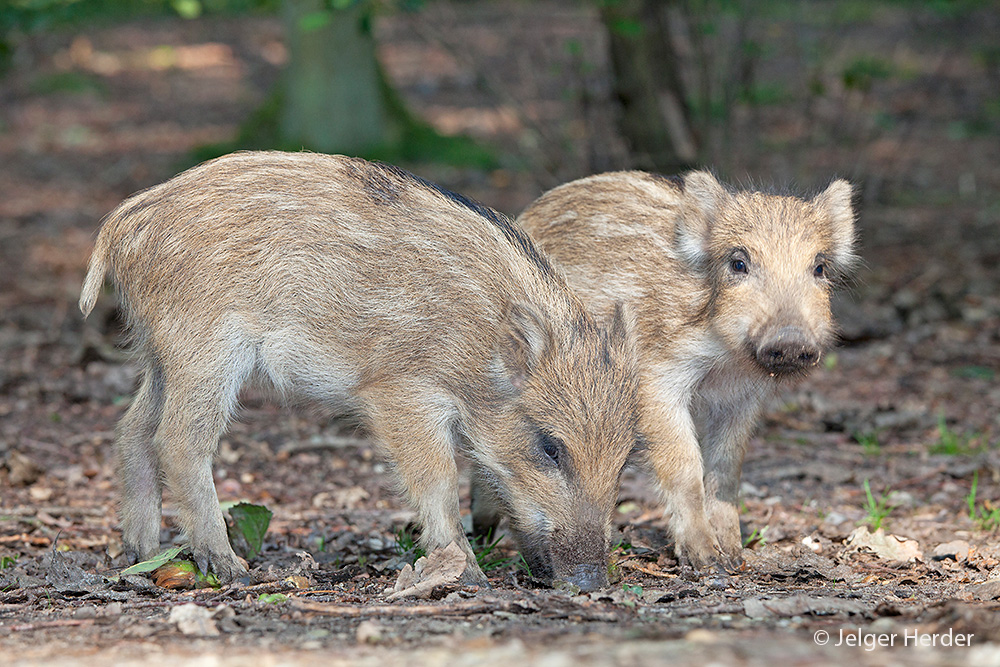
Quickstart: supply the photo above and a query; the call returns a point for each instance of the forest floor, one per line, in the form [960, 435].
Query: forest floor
[906, 406]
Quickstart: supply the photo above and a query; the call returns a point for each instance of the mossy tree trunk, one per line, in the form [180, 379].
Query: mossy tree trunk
[334, 98]
[654, 116]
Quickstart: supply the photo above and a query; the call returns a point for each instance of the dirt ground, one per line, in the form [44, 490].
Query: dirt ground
[907, 403]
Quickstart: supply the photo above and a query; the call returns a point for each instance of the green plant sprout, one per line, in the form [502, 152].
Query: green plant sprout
[523, 565]
[757, 538]
[878, 510]
[485, 548]
[952, 443]
[986, 517]
[868, 440]
[406, 543]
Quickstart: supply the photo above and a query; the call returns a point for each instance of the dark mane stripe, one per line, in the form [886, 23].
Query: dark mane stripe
[511, 230]
[675, 180]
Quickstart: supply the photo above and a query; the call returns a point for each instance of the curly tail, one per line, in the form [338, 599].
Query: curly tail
[96, 270]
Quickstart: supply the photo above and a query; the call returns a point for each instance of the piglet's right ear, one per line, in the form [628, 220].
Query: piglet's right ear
[703, 197]
[524, 339]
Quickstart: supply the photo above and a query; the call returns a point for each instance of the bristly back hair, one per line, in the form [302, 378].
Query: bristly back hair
[511, 230]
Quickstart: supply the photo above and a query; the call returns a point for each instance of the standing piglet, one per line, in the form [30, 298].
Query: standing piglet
[368, 290]
[732, 292]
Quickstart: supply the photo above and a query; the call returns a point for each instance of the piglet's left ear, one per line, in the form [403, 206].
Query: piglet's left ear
[525, 338]
[835, 204]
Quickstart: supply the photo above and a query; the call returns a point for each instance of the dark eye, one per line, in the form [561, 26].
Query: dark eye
[820, 270]
[550, 446]
[738, 265]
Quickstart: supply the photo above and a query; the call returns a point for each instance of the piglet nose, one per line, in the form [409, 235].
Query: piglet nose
[787, 349]
[589, 576]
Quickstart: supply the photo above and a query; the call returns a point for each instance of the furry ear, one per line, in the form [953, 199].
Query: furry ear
[835, 204]
[703, 196]
[525, 338]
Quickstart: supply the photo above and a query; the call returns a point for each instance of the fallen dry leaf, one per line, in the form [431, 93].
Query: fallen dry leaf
[887, 547]
[957, 550]
[441, 567]
[22, 470]
[40, 493]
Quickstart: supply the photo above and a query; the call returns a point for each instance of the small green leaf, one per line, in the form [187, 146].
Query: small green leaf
[634, 589]
[272, 598]
[188, 9]
[156, 561]
[251, 522]
[314, 21]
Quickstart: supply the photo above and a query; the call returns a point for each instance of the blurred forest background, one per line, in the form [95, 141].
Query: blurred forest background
[784, 90]
[501, 100]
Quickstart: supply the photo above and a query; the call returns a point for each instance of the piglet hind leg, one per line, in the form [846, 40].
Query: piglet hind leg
[194, 416]
[421, 441]
[138, 469]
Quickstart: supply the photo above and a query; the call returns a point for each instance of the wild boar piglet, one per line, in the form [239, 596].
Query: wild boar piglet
[732, 294]
[364, 288]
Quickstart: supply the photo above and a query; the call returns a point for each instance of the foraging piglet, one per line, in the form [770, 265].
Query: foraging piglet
[732, 294]
[366, 289]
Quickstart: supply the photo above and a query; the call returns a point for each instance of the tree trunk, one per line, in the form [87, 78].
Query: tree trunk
[654, 114]
[334, 100]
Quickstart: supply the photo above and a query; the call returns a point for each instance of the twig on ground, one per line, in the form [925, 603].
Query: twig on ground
[639, 567]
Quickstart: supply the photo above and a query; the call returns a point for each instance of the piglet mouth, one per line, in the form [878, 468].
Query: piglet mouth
[583, 576]
[586, 574]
